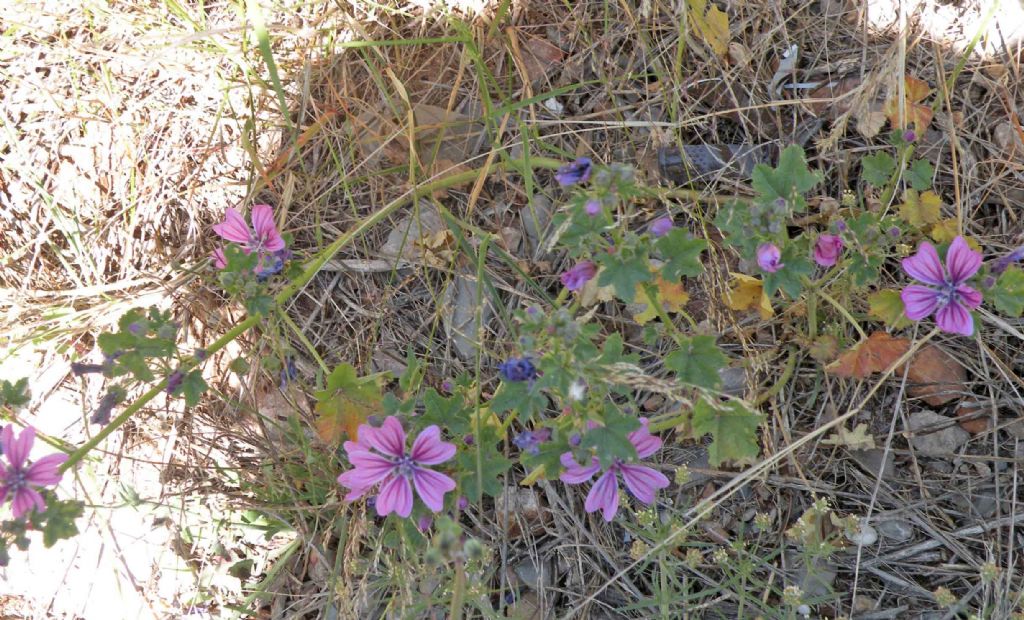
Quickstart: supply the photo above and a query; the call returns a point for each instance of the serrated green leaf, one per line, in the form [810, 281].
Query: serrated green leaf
[1008, 293]
[259, 304]
[447, 412]
[790, 179]
[920, 174]
[15, 394]
[60, 520]
[192, 387]
[877, 169]
[681, 255]
[481, 471]
[733, 430]
[136, 364]
[697, 362]
[623, 270]
[346, 403]
[788, 278]
[610, 441]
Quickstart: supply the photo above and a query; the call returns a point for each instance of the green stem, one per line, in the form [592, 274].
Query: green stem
[843, 311]
[312, 268]
[458, 592]
[787, 374]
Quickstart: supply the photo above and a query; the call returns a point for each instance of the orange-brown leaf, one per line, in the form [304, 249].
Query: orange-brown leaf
[867, 357]
[935, 376]
[917, 114]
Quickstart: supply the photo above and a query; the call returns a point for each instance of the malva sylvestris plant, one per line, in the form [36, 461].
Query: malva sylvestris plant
[642, 481]
[379, 457]
[19, 479]
[946, 295]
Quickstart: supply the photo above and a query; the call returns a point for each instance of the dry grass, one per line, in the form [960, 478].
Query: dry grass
[129, 130]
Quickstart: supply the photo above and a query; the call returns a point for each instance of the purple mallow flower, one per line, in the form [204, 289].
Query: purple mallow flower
[769, 257]
[827, 250]
[518, 369]
[947, 296]
[641, 481]
[17, 478]
[529, 441]
[661, 226]
[578, 275]
[262, 237]
[1003, 263]
[379, 456]
[576, 172]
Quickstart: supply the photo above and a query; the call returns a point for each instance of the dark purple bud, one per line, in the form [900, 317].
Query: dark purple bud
[201, 355]
[78, 369]
[576, 172]
[575, 439]
[136, 328]
[102, 413]
[1001, 265]
[661, 226]
[174, 381]
[462, 503]
[909, 136]
[533, 311]
[988, 282]
[592, 208]
[518, 369]
[468, 439]
[894, 232]
[446, 386]
[529, 441]
[840, 226]
[289, 372]
[424, 523]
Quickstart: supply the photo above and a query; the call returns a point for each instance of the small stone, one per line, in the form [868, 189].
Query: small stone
[896, 529]
[864, 536]
[533, 575]
[1016, 428]
[734, 381]
[944, 442]
[814, 583]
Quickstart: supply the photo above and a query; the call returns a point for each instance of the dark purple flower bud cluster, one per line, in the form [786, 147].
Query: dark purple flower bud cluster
[529, 441]
[576, 172]
[767, 219]
[174, 381]
[518, 369]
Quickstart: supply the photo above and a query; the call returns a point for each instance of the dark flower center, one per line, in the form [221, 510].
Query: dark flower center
[405, 466]
[15, 479]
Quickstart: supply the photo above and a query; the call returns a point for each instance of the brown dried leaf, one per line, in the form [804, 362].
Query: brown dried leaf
[917, 114]
[540, 58]
[867, 357]
[939, 378]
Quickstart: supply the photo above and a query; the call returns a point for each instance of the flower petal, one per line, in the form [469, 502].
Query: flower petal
[389, 438]
[645, 443]
[969, 297]
[369, 468]
[431, 487]
[263, 224]
[25, 499]
[604, 495]
[919, 301]
[233, 228]
[925, 265]
[428, 449]
[643, 481]
[574, 472]
[395, 496]
[16, 448]
[44, 471]
[955, 318]
[220, 261]
[961, 261]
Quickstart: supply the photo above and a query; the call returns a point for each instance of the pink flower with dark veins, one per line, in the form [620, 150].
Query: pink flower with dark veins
[769, 258]
[579, 274]
[641, 481]
[379, 456]
[262, 237]
[947, 296]
[18, 478]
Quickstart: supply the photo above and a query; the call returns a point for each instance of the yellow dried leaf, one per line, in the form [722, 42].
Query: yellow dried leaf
[948, 229]
[887, 307]
[711, 24]
[592, 294]
[745, 293]
[920, 209]
[857, 439]
[672, 296]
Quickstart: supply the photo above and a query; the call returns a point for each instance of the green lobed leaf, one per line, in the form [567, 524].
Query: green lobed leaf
[788, 279]
[623, 270]
[610, 440]
[480, 473]
[681, 254]
[920, 174]
[1008, 293]
[877, 169]
[733, 430]
[192, 387]
[447, 412]
[60, 520]
[788, 180]
[697, 362]
[15, 394]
